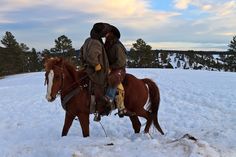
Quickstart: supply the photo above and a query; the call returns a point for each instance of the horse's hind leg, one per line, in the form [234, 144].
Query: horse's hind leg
[149, 122]
[84, 122]
[67, 124]
[136, 123]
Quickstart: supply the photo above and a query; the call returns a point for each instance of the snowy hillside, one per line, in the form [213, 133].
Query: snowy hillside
[200, 62]
[199, 103]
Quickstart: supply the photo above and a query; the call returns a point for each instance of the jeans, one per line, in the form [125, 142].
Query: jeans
[111, 93]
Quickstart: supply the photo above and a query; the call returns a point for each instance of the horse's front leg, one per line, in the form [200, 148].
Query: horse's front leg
[84, 122]
[67, 123]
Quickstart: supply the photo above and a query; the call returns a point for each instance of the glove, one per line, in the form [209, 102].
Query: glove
[98, 67]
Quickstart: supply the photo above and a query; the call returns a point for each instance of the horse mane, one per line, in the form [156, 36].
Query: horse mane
[62, 63]
[70, 68]
[50, 62]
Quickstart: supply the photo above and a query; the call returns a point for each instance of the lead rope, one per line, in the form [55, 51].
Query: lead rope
[103, 128]
[150, 135]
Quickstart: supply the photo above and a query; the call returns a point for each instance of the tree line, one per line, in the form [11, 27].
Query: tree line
[17, 57]
[142, 55]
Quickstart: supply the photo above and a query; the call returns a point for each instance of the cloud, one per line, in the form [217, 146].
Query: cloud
[182, 4]
[182, 46]
[222, 7]
[16, 5]
[5, 20]
[221, 18]
[187, 21]
[213, 19]
[135, 14]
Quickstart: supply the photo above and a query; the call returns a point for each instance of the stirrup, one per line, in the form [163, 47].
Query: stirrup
[107, 99]
[97, 117]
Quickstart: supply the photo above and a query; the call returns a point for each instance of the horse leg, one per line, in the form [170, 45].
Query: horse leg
[67, 124]
[84, 123]
[148, 123]
[155, 102]
[136, 123]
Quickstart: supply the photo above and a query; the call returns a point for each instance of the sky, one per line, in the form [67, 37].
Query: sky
[163, 24]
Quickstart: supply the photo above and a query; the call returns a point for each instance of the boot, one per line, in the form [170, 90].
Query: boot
[125, 112]
[122, 111]
[97, 117]
[107, 106]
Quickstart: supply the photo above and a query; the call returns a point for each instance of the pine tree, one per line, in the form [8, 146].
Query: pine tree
[141, 55]
[62, 45]
[231, 59]
[34, 63]
[14, 56]
[9, 41]
[232, 45]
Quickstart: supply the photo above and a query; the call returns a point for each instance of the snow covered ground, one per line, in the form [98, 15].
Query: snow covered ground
[199, 103]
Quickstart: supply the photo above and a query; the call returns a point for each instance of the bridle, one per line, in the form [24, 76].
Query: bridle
[69, 92]
[61, 74]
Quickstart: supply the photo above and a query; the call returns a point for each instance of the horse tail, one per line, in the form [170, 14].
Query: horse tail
[155, 102]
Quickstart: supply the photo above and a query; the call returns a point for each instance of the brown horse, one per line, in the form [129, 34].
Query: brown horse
[63, 79]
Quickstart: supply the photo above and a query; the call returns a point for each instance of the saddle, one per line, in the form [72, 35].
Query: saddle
[107, 111]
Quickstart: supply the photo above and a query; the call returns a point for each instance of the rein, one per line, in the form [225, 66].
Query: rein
[71, 94]
[70, 91]
[67, 97]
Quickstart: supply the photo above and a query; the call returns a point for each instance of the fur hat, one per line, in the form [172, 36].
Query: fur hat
[98, 27]
[115, 31]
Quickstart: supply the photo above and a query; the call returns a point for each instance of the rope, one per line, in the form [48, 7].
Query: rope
[103, 128]
[150, 135]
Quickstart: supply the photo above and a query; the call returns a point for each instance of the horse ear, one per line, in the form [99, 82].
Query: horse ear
[45, 58]
[58, 59]
[45, 61]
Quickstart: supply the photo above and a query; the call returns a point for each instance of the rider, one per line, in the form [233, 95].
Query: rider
[116, 54]
[94, 59]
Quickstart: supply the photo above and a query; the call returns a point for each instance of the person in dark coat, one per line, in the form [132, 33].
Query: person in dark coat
[116, 54]
[94, 59]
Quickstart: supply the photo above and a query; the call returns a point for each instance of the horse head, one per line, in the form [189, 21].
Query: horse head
[53, 77]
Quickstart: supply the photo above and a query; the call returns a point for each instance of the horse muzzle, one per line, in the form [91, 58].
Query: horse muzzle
[50, 98]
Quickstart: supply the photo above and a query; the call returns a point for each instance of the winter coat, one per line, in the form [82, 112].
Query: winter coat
[93, 53]
[117, 56]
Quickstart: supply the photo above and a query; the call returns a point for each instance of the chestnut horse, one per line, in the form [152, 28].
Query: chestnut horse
[63, 79]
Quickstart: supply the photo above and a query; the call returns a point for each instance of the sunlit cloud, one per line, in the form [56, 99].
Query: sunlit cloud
[206, 7]
[182, 46]
[227, 33]
[182, 4]
[131, 13]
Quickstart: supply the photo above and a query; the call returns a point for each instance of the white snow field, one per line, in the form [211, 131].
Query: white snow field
[199, 103]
